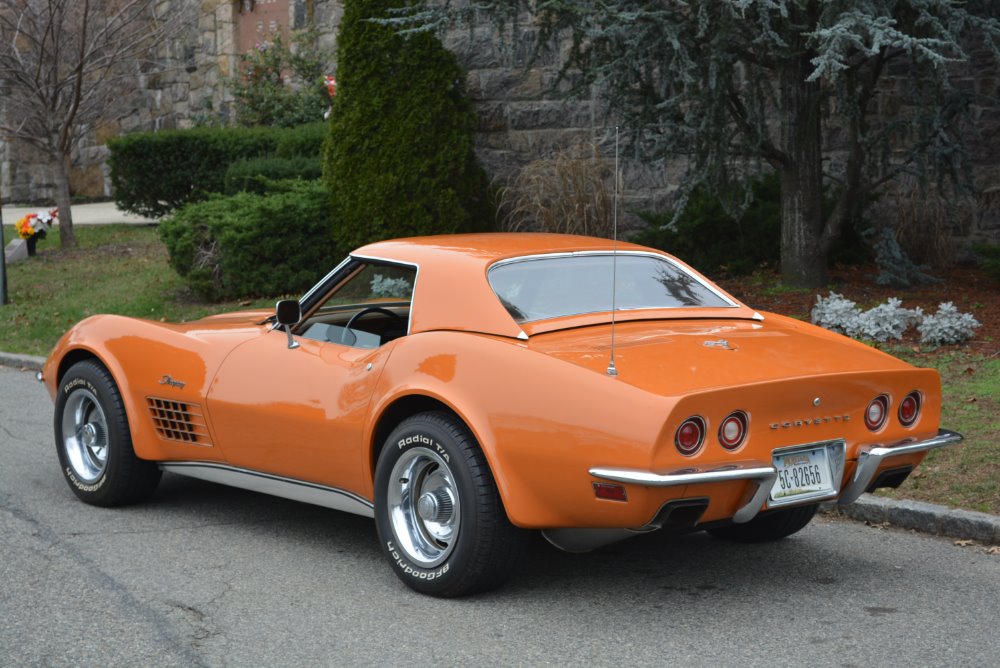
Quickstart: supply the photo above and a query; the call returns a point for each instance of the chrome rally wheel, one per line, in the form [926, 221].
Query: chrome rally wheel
[85, 435]
[94, 442]
[438, 513]
[424, 506]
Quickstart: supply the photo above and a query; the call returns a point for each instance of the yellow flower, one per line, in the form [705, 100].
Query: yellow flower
[24, 228]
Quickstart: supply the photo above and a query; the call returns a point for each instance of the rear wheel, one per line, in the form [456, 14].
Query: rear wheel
[94, 442]
[771, 525]
[439, 516]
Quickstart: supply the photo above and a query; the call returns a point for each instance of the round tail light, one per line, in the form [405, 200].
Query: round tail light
[877, 412]
[909, 408]
[690, 435]
[733, 430]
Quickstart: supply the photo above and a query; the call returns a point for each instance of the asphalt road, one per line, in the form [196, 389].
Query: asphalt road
[206, 575]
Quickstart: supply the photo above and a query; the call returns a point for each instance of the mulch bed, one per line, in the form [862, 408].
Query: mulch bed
[970, 289]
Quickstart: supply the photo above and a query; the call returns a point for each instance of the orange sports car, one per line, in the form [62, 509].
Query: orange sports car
[463, 390]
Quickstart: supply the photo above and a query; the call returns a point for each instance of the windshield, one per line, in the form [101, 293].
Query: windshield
[545, 287]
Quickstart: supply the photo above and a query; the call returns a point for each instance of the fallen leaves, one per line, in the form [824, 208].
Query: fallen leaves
[993, 550]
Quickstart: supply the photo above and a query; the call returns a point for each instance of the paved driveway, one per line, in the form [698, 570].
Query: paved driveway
[205, 575]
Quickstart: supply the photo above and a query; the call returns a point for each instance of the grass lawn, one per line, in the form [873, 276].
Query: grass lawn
[967, 476]
[123, 269]
[117, 269]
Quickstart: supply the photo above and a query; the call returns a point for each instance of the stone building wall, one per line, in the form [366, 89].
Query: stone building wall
[187, 87]
[520, 117]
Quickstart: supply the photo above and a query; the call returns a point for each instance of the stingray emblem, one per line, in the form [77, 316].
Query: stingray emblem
[721, 344]
[167, 380]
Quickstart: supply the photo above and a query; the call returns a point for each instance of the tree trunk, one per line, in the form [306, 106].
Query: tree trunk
[67, 237]
[803, 261]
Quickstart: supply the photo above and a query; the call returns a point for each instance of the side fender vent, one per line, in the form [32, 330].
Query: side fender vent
[179, 421]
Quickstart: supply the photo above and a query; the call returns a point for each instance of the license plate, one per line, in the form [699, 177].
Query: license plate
[802, 472]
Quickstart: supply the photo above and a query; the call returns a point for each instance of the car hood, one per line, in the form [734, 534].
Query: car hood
[682, 356]
[254, 317]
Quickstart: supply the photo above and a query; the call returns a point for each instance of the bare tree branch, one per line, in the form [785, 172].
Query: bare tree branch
[68, 65]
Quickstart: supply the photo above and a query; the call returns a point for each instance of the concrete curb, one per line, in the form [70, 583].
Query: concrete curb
[916, 515]
[923, 517]
[22, 362]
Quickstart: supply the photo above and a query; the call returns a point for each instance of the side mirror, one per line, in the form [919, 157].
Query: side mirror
[288, 312]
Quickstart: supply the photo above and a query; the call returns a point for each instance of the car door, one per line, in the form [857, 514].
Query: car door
[299, 412]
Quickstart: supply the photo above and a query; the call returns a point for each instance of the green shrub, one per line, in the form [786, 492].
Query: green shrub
[254, 174]
[302, 141]
[989, 259]
[153, 173]
[280, 84]
[250, 245]
[400, 158]
[712, 240]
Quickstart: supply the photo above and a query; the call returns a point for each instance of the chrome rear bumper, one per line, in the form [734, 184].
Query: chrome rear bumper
[763, 474]
[870, 458]
[759, 472]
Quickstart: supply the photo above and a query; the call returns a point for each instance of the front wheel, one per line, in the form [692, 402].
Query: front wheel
[438, 513]
[770, 525]
[94, 442]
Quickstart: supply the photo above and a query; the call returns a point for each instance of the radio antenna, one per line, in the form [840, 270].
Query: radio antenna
[612, 371]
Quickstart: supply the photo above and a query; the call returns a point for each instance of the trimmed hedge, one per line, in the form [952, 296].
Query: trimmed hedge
[154, 173]
[252, 245]
[302, 141]
[255, 174]
[400, 159]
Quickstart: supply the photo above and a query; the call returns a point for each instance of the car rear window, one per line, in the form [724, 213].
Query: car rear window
[542, 287]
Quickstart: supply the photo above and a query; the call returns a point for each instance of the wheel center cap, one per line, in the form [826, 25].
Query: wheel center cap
[435, 506]
[89, 435]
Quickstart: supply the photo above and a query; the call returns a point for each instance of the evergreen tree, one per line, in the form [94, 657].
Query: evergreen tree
[740, 86]
[399, 159]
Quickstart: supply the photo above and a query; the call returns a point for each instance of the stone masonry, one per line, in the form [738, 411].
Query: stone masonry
[522, 115]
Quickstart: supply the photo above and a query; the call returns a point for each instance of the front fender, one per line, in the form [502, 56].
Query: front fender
[141, 355]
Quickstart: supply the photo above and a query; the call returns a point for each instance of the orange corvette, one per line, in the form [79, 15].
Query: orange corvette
[462, 390]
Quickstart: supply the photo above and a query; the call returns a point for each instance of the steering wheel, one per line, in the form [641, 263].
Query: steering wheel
[363, 312]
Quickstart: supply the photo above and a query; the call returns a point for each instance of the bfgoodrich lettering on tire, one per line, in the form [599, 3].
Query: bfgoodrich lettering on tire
[94, 442]
[440, 519]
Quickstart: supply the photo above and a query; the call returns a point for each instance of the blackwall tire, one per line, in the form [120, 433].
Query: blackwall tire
[94, 443]
[438, 513]
[768, 526]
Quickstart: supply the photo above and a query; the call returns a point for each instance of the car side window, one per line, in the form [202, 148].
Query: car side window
[367, 309]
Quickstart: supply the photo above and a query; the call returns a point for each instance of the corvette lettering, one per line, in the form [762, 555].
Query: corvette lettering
[810, 421]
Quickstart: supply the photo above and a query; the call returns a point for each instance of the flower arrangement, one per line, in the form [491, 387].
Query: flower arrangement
[36, 224]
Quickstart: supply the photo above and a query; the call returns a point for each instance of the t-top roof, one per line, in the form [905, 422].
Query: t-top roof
[452, 291]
